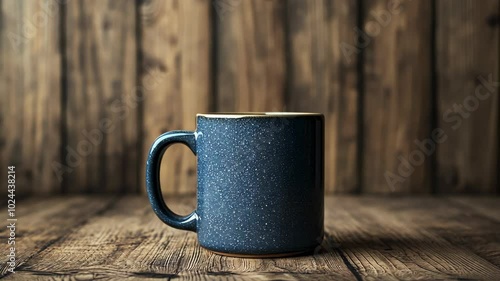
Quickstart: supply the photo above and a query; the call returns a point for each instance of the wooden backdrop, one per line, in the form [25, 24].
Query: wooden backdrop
[86, 86]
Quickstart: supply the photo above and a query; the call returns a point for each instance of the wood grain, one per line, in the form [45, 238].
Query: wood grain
[486, 206]
[460, 224]
[223, 276]
[43, 222]
[410, 238]
[250, 55]
[30, 111]
[322, 78]
[175, 75]
[397, 97]
[128, 241]
[89, 85]
[367, 238]
[101, 107]
[467, 106]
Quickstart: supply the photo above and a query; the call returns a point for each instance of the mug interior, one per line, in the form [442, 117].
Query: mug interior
[256, 114]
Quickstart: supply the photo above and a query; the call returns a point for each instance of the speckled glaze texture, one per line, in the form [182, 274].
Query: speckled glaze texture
[260, 184]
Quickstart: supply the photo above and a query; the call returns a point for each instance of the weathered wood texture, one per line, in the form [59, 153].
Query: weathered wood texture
[398, 97]
[367, 238]
[88, 85]
[175, 77]
[250, 55]
[30, 112]
[323, 78]
[468, 102]
[101, 152]
[416, 238]
[42, 222]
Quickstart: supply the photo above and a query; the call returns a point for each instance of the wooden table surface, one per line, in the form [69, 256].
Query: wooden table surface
[117, 238]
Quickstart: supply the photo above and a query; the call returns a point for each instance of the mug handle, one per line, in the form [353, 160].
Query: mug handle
[153, 188]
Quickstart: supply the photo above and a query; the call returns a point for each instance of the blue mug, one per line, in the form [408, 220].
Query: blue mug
[260, 182]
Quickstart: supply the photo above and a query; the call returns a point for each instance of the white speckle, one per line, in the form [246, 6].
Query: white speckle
[197, 134]
[251, 177]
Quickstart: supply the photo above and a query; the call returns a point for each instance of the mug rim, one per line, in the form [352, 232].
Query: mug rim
[256, 114]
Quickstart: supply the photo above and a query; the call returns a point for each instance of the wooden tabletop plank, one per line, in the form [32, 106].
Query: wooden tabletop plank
[486, 206]
[393, 238]
[129, 241]
[398, 238]
[119, 276]
[458, 224]
[42, 222]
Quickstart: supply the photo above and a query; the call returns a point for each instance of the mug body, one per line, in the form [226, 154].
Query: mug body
[260, 182]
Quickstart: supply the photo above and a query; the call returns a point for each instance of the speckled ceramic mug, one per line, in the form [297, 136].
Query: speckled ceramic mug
[260, 182]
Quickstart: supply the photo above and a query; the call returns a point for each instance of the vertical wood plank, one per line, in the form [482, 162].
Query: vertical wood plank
[397, 98]
[250, 55]
[101, 153]
[467, 58]
[175, 76]
[30, 99]
[323, 78]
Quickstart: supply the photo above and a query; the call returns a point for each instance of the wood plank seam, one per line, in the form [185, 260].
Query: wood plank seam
[434, 97]
[64, 93]
[141, 156]
[350, 266]
[360, 86]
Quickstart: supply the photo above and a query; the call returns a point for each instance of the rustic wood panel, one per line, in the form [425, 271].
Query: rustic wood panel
[175, 75]
[322, 78]
[88, 86]
[250, 55]
[101, 108]
[367, 238]
[43, 222]
[397, 97]
[467, 58]
[30, 111]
